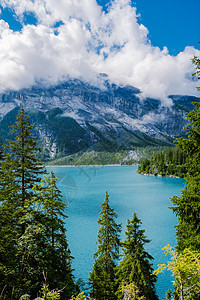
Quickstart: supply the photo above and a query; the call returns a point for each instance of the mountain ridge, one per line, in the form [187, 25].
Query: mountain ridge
[76, 116]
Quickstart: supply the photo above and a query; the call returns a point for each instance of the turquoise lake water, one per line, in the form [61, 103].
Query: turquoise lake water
[84, 190]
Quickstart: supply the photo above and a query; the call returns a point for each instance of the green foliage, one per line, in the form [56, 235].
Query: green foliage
[20, 169]
[185, 268]
[109, 144]
[46, 294]
[32, 234]
[49, 295]
[187, 207]
[91, 158]
[131, 292]
[125, 140]
[51, 211]
[104, 158]
[80, 296]
[171, 161]
[22, 158]
[68, 134]
[135, 267]
[103, 277]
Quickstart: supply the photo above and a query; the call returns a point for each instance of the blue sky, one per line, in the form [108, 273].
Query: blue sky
[147, 44]
[171, 23]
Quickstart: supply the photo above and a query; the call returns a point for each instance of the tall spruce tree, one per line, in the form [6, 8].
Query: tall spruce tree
[187, 207]
[22, 157]
[20, 170]
[135, 267]
[31, 217]
[8, 231]
[103, 277]
[51, 211]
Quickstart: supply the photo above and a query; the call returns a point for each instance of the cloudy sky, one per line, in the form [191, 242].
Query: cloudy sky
[146, 43]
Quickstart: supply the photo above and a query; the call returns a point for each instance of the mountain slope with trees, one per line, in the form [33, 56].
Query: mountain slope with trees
[169, 162]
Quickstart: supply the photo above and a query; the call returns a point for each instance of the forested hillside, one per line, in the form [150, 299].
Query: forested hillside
[169, 162]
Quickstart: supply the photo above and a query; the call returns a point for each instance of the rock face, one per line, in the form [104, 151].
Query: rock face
[76, 116]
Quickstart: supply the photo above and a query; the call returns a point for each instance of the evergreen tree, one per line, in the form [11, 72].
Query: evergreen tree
[8, 234]
[187, 207]
[171, 161]
[31, 212]
[103, 277]
[9, 225]
[135, 267]
[20, 169]
[22, 157]
[50, 212]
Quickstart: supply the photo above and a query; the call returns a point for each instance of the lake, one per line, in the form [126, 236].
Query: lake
[84, 189]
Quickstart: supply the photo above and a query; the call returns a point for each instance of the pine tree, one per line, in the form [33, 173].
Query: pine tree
[1, 173]
[20, 170]
[51, 213]
[103, 274]
[135, 267]
[187, 207]
[22, 157]
[8, 226]
[31, 212]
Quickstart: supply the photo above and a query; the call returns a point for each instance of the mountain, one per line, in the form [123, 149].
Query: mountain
[75, 116]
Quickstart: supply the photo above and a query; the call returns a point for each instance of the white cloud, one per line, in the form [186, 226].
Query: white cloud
[89, 41]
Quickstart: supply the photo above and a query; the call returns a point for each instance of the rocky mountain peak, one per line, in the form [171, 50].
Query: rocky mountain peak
[75, 115]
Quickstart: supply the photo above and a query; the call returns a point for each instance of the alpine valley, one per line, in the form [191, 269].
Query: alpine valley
[75, 117]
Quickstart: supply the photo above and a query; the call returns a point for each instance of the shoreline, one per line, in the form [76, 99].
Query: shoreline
[109, 165]
[170, 176]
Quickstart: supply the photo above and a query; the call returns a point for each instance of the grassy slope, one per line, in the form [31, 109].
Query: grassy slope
[105, 158]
